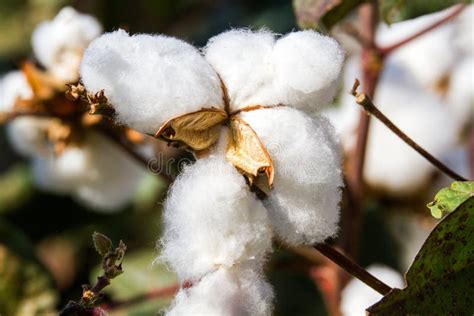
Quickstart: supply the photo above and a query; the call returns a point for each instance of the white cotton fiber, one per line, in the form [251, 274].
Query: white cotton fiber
[150, 79]
[28, 135]
[59, 44]
[212, 220]
[429, 57]
[464, 33]
[13, 86]
[357, 296]
[112, 176]
[300, 69]
[460, 96]
[393, 166]
[237, 291]
[307, 69]
[304, 203]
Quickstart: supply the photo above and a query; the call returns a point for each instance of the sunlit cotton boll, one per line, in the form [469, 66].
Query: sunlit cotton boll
[59, 44]
[391, 165]
[357, 296]
[232, 292]
[304, 203]
[307, 69]
[212, 220]
[150, 79]
[429, 57]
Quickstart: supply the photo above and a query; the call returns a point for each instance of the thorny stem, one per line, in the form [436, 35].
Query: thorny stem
[455, 12]
[353, 268]
[363, 100]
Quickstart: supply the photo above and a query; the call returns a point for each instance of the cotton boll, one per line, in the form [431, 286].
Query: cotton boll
[303, 205]
[307, 68]
[430, 57]
[111, 179]
[212, 220]
[464, 34]
[28, 135]
[357, 296]
[46, 176]
[59, 44]
[150, 79]
[232, 292]
[460, 95]
[13, 86]
[243, 59]
[393, 166]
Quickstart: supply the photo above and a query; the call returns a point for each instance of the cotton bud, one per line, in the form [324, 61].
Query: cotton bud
[212, 220]
[59, 44]
[460, 95]
[233, 292]
[13, 86]
[303, 204]
[357, 296]
[426, 59]
[298, 70]
[150, 79]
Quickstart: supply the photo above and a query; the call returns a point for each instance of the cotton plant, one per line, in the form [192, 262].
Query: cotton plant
[68, 154]
[247, 105]
[356, 296]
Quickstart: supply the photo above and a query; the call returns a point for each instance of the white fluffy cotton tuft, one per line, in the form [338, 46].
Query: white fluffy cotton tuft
[460, 95]
[304, 203]
[357, 296]
[299, 70]
[13, 86]
[150, 79]
[212, 220]
[59, 44]
[28, 135]
[231, 292]
[464, 33]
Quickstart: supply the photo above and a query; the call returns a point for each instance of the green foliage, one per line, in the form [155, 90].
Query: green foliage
[15, 187]
[322, 13]
[440, 280]
[399, 10]
[102, 243]
[448, 199]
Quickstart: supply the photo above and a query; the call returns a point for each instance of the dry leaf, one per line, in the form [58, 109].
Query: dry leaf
[43, 85]
[197, 130]
[247, 153]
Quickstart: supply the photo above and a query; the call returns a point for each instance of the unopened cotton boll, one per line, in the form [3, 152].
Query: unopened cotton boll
[232, 292]
[243, 59]
[357, 296]
[111, 179]
[430, 57]
[307, 69]
[59, 44]
[304, 203]
[28, 135]
[150, 79]
[13, 86]
[212, 220]
[460, 95]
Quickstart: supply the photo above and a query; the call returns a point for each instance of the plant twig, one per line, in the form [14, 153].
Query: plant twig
[455, 12]
[353, 268]
[364, 100]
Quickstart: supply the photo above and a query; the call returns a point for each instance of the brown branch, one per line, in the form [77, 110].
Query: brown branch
[353, 268]
[456, 11]
[363, 100]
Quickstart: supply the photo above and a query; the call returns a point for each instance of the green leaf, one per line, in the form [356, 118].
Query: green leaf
[448, 199]
[322, 13]
[399, 10]
[102, 243]
[440, 281]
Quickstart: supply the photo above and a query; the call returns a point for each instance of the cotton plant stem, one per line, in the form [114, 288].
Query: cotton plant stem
[456, 10]
[364, 100]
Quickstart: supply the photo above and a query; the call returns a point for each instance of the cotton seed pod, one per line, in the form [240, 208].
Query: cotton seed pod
[13, 86]
[150, 79]
[232, 292]
[58, 44]
[304, 203]
[357, 296]
[212, 220]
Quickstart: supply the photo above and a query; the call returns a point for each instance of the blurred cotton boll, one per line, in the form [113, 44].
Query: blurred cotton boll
[357, 296]
[464, 34]
[232, 292]
[460, 95]
[212, 220]
[28, 135]
[13, 86]
[59, 44]
[150, 79]
[304, 203]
